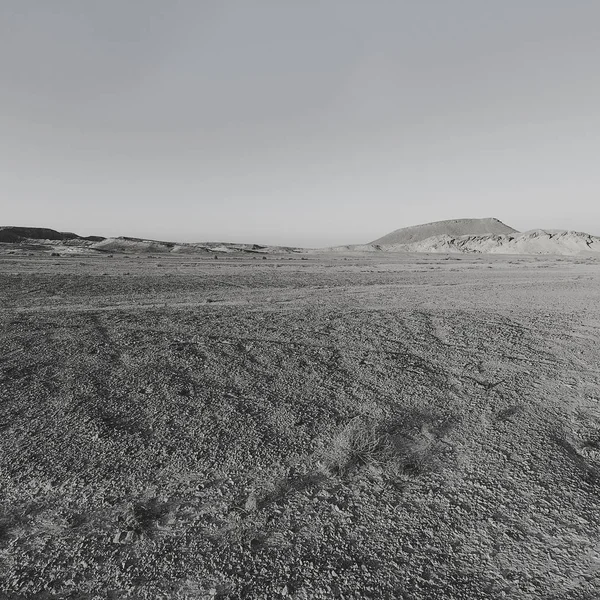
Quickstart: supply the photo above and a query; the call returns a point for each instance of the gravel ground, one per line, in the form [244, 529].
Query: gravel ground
[414, 427]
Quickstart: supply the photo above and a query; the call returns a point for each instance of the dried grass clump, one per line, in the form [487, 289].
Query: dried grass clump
[411, 444]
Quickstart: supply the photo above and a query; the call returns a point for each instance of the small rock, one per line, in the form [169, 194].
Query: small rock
[124, 537]
[250, 504]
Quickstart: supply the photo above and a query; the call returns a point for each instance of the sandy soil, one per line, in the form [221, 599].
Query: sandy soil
[382, 426]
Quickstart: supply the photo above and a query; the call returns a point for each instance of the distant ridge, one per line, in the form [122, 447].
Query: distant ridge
[453, 228]
[21, 239]
[14, 235]
[537, 241]
[461, 236]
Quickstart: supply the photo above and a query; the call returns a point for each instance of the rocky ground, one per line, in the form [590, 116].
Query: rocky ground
[382, 426]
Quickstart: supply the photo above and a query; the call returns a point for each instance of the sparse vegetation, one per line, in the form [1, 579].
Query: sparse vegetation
[508, 413]
[410, 443]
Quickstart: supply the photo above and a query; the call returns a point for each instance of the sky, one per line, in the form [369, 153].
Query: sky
[310, 123]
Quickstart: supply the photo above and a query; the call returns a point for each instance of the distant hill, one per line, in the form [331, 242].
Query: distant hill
[467, 236]
[14, 235]
[50, 240]
[536, 241]
[453, 228]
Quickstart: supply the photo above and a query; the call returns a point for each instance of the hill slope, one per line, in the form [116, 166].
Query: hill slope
[538, 241]
[454, 228]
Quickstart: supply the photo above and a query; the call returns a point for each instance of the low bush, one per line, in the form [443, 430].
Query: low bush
[412, 443]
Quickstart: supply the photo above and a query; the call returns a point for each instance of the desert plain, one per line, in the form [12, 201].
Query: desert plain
[412, 426]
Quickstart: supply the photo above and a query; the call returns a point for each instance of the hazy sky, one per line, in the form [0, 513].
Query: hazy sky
[298, 122]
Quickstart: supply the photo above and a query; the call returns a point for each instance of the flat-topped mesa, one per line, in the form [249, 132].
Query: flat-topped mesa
[453, 228]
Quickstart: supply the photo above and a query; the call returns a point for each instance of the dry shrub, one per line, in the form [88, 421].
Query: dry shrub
[410, 444]
[357, 444]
